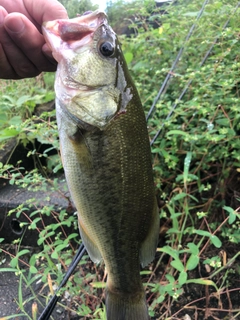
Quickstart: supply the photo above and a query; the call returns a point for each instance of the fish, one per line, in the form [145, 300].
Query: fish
[106, 156]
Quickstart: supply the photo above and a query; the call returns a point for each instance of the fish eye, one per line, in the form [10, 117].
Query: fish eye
[106, 49]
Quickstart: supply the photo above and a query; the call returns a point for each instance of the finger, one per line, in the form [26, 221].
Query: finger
[3, 13]
[6, 70]
[12, 6]
[29, 41]
[20, 64]
[45, 10]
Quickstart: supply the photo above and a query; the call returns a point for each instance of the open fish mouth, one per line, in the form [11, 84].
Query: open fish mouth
[75, 32]
[84, 47]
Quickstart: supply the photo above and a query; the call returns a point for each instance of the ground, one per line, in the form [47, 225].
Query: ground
[197, 302]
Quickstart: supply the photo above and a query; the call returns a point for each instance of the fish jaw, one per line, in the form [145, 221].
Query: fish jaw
[74, 45]
[64, 34]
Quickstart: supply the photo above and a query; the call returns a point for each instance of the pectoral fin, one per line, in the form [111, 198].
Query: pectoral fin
[91, 247]
[149, 246]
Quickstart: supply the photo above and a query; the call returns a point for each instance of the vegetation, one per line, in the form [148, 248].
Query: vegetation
[195, 160]
[75, 7]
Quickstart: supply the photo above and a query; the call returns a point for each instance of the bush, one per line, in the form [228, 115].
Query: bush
[195, 157]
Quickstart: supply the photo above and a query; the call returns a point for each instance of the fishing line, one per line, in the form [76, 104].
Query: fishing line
[191, 80]
[169, 75]
[45, 315]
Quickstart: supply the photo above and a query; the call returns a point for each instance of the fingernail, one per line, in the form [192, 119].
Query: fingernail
[14, 25]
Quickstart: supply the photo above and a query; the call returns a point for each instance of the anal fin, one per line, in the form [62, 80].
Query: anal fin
[90, 245]
[149, 246]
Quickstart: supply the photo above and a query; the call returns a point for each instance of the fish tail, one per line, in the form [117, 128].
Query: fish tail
[125, 306]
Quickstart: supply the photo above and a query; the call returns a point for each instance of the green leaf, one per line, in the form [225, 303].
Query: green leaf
[98, 285]
[190, 177]
[43, 238]
[232, 217]
[17, 120]
[170, 278]
[14, 262]
[9, 98]
[73, 235]
[182, 278]
[191, 14]
[177, 264]
[8, 133]
[15, 316]
[22, 100]
[33, 269]
[139, 65]
[173, 253]
[3, 118]
[216, 241]
[8, 270]
[34, 223]
[177, 132]
[223, 122]
[128, 57]
[20, 296]
[178, 196]
[202, 233]
[187, 162]
[192, 262]
[232, 214]
[203, 281]
[193, 248]
[54, 255]
[22, 252]
[166, 26]
[228, 209]
[145, 272]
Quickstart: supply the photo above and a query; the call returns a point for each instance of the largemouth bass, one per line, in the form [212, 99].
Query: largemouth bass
[106, 156]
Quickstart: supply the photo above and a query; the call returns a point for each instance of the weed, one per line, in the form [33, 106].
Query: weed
[195, 162]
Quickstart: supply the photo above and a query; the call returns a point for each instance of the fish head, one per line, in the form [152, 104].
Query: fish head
[91, 81]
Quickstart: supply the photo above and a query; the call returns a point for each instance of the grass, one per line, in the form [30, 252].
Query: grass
[196, 166]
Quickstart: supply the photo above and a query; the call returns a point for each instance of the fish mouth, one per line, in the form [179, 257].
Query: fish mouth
[74, 32]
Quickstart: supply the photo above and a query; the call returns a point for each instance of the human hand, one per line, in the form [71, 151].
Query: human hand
[23, 51]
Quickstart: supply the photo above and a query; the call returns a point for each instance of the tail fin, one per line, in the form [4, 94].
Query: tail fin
[126, 307]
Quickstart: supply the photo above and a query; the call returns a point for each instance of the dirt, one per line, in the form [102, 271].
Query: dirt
[11, 289]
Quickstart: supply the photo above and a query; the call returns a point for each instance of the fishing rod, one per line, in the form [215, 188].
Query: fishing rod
[45, 315]
[169, 75]
[191, 80]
